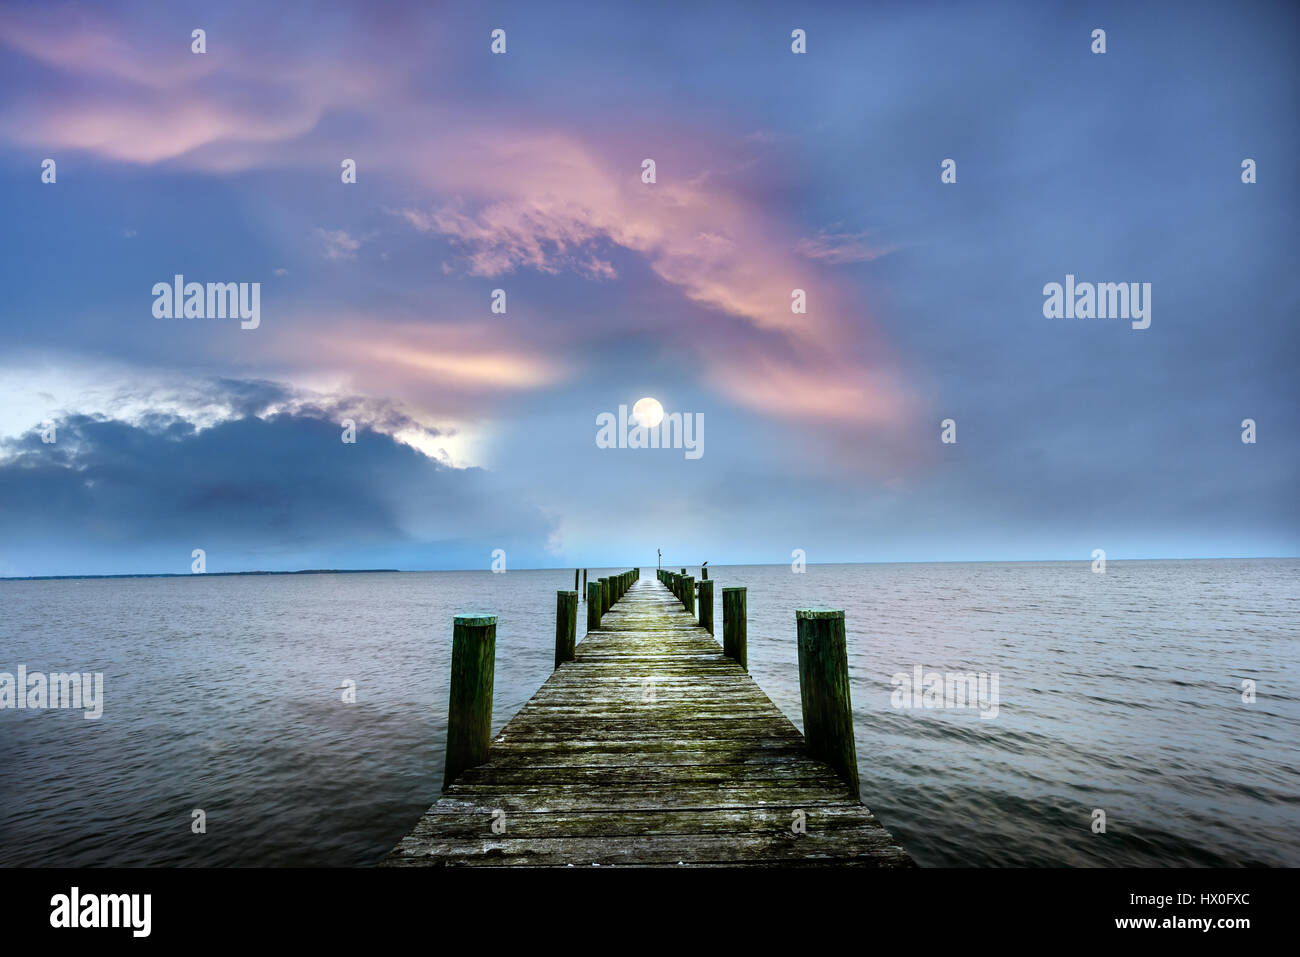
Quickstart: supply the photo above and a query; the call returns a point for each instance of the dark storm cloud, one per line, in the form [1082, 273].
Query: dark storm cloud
[285, 488]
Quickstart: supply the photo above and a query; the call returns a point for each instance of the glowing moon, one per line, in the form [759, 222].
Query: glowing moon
[647, 412]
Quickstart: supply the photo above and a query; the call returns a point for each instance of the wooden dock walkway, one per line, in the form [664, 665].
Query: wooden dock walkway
[649, 748]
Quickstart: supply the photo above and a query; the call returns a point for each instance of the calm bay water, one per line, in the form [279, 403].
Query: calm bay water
[1119, 691]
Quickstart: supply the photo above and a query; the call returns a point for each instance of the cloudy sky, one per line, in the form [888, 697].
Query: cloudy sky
[522, 171]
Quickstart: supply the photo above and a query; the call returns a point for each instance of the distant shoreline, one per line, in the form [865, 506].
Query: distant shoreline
[421, 571]
[303, 571]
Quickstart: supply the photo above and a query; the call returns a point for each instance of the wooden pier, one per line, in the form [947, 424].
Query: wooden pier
[648, 746]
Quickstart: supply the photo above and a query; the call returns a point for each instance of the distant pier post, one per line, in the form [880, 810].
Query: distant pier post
[706, 605]
[469, 718]
[566, 625]
[734, 626]
[824, 688]
[584, 582]
[593, 606]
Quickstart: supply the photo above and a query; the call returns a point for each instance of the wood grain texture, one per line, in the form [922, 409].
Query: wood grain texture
[649, 748]
[566, 624]
[469, 717]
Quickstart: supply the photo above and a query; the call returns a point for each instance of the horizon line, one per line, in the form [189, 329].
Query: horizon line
[549, 568]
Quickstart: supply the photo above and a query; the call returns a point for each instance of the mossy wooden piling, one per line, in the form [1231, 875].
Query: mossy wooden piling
[593, 606]
[566, 625]
[651, 747]
[735, 627]
[706, 605]
[469, 718]
[824, 690]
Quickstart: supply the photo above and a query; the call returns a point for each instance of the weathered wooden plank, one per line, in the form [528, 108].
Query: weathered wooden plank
[577, 797]
[767, 774]
[455, 820]
[648, 748]
[837, 847]
[661, 755]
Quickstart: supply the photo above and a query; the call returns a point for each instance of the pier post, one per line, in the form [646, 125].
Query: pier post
[469, 718]
[735, 627]
[604, 596]
[566, 625]
[688, 593]
[706, 605]
[824, 689]
[575, 579]
[584, 582]
[593, 606]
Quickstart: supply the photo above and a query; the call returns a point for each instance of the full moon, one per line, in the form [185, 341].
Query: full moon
[648, 412]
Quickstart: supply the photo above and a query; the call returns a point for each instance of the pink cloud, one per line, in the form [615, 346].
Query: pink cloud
[338, 243]
[837, 248]
[465, 369]
[508, 195]
[149, 101]
[540, 200]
